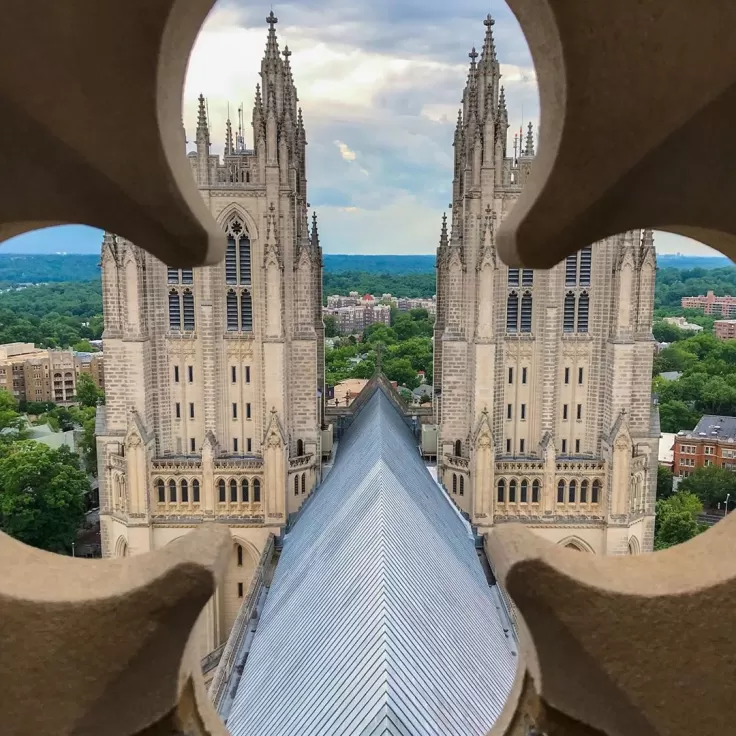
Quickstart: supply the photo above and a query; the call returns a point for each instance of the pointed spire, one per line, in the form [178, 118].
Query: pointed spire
[647, 238]
[272, 44]
[229, 148]
[502, 103]
[459, 126]
[529, 145]
[203, 131]
[314, 236]
[443, 234]
[489, 45]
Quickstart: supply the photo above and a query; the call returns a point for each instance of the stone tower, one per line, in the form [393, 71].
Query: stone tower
[213, 404]
[542, 378]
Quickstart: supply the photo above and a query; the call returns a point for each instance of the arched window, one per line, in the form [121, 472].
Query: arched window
[246, 312]
[244, 259]
[174, 310]
[535, 491]
[233, 491]
[583, 312]
[161, 488]
[299, 448]
[501, 497]
[454, 484]
[304, 483]
[221, 491]
[184, 491]
[458, 448]
[561, 492]
[568, 323]
[584, 492]
[195, 491]
[462, 485]
[512, 491]
[172, 491]
[244, 490]
[188, 302]
[296, 484]
[232, 311]
[524, 491]
[595, 491]
[526, 312]
[239, 554]
[572, 491]
[256, 490]
[512, 312]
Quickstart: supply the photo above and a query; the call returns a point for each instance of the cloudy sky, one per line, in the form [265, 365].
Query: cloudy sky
[380, 84]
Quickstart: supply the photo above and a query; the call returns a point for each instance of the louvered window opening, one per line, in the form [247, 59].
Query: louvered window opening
[512, 313]
[527, 277]
[568, 324]
[526, 313]
[174, 311]
[583, 312]
[188, 303]
[571, 270]
[513, 277]
[585, 265]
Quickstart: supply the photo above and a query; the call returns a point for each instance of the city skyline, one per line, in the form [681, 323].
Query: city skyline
[380, 91]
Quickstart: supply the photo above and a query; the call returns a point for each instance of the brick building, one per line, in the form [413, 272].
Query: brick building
[38, 374]
[725, 329]
[711, 304]
[712, 442]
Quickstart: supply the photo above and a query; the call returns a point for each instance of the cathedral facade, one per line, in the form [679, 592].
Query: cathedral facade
[542, 378]
[214, 408]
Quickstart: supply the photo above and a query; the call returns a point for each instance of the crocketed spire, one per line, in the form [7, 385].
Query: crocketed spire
[203, 131]
[443, 234]
[314, 236]
[529, 145]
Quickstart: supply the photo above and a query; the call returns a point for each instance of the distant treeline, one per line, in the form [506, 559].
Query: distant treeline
[37, 269]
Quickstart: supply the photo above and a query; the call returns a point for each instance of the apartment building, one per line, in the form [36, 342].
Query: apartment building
[711, 304]
[40, 374]
[725, 329]
[712, 442]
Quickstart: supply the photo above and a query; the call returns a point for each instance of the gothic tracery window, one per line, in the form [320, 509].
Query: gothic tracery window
[244, 490]
[568, 324]
[512, 312]
[238, 277]
[526, 312]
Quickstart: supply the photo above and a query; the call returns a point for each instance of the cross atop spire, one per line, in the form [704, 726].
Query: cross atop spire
[473, 55]
[272, 20]
[488, 22]
[314, 237]
[272, 46]
[286, 53]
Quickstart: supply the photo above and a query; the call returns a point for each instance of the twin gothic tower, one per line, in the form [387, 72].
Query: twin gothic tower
[215, 375]
[214, 408]
[542, 378]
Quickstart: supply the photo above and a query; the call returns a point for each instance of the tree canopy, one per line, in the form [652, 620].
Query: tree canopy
[42, 493]
[711, 485]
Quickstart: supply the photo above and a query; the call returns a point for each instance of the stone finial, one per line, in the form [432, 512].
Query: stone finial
[123, 667]
[443, 233]
[272, 44]
[529, 143]
[229, 148]
[314, 235]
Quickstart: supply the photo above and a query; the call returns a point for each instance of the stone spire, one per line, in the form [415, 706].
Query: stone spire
[443, 234]
[229, 149]
[489, 45]
[258, 125]
[529, 145]
[314, 236]
[203, 131]
[272, 44]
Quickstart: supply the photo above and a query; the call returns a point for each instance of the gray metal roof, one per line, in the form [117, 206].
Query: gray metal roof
[379, 619]
[714, 426]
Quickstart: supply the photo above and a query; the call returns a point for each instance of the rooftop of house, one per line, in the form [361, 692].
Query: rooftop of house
[380, 619]
[713, 427]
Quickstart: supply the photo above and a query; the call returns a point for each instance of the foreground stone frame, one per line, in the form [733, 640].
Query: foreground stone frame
[630, 93]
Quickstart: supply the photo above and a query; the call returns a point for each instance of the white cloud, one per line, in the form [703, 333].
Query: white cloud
[345, 152]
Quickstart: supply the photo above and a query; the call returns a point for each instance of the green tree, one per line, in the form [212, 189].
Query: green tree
[87, 392]
[379, 333]
[676, 520]
[710, 484]
[666, 332]
[401, 371]
[11, 422]
[42, 493]
[664, 482]
[677, 415]
[330, 325]
[84, 346]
